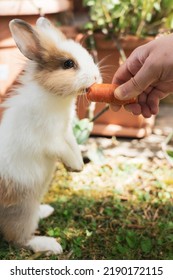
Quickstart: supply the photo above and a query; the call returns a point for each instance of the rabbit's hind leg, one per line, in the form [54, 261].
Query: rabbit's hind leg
[19, 216]
[18, 222]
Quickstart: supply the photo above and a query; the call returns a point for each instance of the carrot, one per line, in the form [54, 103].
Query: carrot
[105, 93]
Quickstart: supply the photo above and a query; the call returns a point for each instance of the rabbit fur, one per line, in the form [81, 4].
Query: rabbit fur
[36, 128]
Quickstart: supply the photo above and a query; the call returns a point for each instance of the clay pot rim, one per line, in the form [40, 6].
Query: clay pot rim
[128, 42]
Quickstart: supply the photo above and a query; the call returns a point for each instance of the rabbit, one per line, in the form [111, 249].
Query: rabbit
[36, 128]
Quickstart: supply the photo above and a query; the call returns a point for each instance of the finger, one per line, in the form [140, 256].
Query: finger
[142, 98]
[122, 75]
[153, 100]
[133, 108]
[137, 84]
[153, 103]
[138, 110]
[127, 70]
[115, 108]
[145, 111]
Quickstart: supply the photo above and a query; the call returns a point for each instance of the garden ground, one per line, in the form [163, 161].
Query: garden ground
[119, 207]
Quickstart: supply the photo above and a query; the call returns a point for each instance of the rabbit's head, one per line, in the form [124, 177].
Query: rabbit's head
[60, 65]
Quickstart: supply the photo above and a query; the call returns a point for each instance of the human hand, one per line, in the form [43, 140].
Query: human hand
[147, 74]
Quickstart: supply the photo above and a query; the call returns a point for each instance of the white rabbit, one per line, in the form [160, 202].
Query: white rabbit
[36, 128]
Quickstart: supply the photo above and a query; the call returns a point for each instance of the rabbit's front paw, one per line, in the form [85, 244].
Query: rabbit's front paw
[76, 167]
[45, 211]
[45, 244]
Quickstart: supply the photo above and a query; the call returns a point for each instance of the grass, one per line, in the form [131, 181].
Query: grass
[120, 209]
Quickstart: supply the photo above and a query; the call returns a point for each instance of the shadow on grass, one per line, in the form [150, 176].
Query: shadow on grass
[110, 228]
[105, 228]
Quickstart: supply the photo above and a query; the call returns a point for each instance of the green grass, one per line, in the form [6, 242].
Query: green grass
[119, 210]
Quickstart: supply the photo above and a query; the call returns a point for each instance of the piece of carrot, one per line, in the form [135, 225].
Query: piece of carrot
[105, 93]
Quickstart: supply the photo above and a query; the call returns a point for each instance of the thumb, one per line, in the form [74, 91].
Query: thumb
[137, 84]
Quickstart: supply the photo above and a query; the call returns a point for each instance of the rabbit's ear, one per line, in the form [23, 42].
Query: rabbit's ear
[26, 38]
[43, 23]
[47, 27]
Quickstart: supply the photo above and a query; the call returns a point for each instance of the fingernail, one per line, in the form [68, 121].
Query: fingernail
[120, 94]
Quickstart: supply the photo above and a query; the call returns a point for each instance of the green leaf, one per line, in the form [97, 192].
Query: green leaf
[149, 17]
[56, 232]
[88, 233]
[131, 239]
[89, 25]
[100, 21]
[88, 3]
[109, 211]
[50, 232]
[82, 129]
[122, 249]
[157, 6]
[146, 245]
[130, 242]
[170, 153]
[170, 237]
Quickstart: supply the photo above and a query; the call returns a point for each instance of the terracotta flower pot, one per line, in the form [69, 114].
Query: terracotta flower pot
[11, 61]
[34, 7]
[121, 123]
[78, 6]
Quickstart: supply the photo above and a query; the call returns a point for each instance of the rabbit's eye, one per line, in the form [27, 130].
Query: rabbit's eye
[68, 64]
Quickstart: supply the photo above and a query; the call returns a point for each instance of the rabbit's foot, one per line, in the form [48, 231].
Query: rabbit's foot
[45, 211]
[75, 168]
[75, 165]
[49, 245]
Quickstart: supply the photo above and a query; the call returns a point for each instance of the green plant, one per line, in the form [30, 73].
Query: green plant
[138, 17]
[82, 128]
[116, 18]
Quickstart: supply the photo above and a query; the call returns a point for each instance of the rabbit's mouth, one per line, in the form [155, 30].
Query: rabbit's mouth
[82, 91]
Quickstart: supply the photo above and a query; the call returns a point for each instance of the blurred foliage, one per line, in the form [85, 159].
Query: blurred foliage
[167, 148]
[82, 129]
[137, 17]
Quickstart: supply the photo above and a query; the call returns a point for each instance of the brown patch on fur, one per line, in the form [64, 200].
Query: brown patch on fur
[53, 59]
[18, 222]
[2, 109]
[11, 193]
[51, 84]
[50, 57]
[50, 67]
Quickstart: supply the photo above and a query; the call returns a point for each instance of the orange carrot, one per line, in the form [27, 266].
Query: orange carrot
[105, 93]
